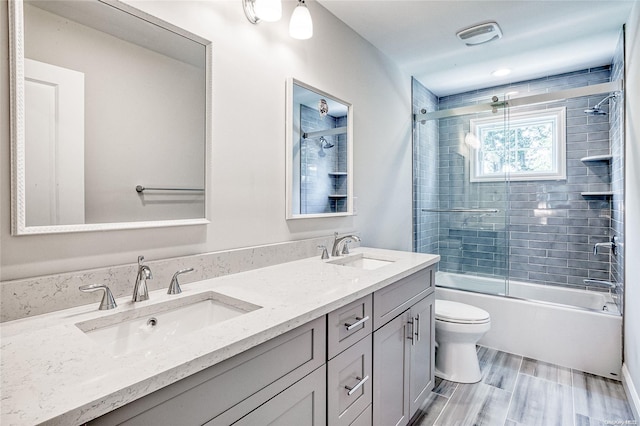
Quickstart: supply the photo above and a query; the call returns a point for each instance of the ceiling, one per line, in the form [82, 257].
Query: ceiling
[539, 37]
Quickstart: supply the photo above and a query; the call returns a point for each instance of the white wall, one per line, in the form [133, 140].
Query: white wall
[632, 201]
[116, 157]
[250, 66]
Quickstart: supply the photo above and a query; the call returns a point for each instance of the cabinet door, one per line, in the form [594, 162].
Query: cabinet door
[422, 352]
[390, 372]
[349, 383]
[303, 404]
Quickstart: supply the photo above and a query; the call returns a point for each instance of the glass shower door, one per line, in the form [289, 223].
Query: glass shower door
[455, 215]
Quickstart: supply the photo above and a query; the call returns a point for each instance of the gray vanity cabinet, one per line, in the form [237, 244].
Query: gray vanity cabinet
[370, 362]
[231, 390]
[403, 349]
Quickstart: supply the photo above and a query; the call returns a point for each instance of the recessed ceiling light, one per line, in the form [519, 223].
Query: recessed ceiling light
[501, 72]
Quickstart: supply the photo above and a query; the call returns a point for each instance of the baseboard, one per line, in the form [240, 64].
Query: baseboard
[631, 391]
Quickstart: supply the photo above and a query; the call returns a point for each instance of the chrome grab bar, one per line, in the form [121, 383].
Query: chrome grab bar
[461, 210]
[598, 283]
[141, 189]
[327, 132]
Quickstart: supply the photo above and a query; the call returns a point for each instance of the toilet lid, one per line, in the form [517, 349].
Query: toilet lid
[461, 313]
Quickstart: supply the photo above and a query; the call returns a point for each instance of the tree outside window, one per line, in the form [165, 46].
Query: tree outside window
[526, 146]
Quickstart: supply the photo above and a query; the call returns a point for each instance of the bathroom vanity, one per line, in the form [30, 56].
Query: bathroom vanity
[299, 344]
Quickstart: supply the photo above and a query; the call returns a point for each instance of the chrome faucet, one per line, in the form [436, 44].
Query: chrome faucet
[611, 244]
[107, 302]
[339, 244]
[174, 286]
[140, 291]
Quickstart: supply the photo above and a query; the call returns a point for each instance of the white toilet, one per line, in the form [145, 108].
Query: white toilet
[458, 328]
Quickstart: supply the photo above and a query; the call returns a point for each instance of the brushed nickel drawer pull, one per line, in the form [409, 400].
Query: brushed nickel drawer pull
[355, 388]
[359, 321]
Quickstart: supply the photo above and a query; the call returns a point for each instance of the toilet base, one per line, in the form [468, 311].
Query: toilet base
[458, 362]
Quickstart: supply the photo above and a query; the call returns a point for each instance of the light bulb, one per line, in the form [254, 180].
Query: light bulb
[472, 140]
[301, 26]
[268, 10]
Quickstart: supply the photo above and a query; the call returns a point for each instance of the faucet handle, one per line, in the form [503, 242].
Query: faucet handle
[345, 247]
[325, 253]
[174, 287]
[108, 302]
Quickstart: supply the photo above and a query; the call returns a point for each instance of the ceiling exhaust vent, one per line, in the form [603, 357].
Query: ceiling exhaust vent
[480, 34]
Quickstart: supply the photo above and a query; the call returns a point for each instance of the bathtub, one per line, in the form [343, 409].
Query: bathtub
[577, 329]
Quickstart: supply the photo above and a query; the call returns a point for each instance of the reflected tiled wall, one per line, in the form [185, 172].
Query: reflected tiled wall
[317, 163]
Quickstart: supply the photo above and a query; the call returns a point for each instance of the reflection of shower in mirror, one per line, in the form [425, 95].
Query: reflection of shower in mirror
[324, 144]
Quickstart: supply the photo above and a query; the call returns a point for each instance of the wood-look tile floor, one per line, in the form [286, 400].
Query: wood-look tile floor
[517, 391]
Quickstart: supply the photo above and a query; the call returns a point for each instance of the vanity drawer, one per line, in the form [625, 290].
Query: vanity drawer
[259, 373]
[347, 325]
[391, 301]
[349, 383]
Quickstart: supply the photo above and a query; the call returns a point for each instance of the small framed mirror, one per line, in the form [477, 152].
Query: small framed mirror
[319, 153]
[110, 118]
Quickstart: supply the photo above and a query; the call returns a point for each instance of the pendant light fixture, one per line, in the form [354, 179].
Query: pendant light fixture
[301, 26]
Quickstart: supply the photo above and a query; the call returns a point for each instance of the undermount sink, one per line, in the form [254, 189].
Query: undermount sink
[143, 328]
[361, 261]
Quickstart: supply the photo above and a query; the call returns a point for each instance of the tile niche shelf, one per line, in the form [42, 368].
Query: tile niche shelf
[597, 194]
[593, 159]
[337, 175]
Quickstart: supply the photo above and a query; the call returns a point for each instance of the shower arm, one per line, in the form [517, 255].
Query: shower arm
[599, 104]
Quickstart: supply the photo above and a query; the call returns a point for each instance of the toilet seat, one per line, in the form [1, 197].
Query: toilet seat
[460, 313]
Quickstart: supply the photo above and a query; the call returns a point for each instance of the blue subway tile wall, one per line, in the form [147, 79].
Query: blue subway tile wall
[543, 231]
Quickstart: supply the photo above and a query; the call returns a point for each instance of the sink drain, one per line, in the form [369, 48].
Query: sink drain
[153, 321]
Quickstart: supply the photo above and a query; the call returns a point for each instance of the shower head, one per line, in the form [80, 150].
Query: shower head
[596, 108]
[595, 111]
[325, 144]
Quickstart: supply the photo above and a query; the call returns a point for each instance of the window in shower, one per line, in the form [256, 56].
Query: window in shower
[530, 147]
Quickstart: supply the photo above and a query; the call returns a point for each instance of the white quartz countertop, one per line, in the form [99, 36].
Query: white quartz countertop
[53, 373]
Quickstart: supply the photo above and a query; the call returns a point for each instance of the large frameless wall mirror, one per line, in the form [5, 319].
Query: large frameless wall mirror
[110, 118]
[319, 153]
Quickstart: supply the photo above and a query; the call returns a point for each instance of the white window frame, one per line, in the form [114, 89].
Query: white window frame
[559, 169]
